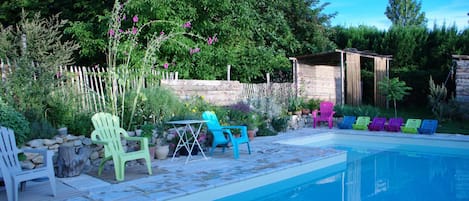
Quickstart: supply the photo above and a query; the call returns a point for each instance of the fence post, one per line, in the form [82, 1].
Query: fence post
[228, 72]
[268, 77]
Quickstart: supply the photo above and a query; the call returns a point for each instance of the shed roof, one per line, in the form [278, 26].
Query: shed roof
[333, 57]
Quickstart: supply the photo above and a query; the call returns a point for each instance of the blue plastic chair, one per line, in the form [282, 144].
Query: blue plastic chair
[347, 122]
[220, 134]
[428, 126]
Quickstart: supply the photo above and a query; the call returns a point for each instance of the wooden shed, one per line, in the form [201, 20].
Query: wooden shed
[335, 76]
[462, 83]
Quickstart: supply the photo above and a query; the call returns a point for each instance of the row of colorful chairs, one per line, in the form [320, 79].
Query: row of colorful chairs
[427, 126]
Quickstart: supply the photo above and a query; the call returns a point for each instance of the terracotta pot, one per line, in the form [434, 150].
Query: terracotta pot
[251, 134]
[162, 152]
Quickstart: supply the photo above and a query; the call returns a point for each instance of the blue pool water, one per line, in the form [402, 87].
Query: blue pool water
[374, 173]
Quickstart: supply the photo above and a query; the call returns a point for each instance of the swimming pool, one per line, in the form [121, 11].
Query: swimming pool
[376, 167]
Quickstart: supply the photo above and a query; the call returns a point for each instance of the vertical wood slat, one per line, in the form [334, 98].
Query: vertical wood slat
[353, 76]
[379, 74]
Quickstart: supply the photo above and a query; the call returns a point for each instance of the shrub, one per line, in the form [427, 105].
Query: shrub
[363, 110]
[11, 118]
[42, 130]
[81, 125]
[280, 124]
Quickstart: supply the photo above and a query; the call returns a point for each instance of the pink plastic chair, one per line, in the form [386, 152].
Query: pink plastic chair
[325, 113]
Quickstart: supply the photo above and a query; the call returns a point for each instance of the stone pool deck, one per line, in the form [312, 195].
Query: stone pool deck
[172, 178]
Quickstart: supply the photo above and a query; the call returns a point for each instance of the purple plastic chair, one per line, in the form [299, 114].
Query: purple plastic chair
[325, 113]
[377, 124]
[394, 124]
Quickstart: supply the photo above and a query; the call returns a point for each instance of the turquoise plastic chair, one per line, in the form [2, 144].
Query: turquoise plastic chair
[219, 133]
[428, 126]
[411, 126]
[108, 133]
[361, 123]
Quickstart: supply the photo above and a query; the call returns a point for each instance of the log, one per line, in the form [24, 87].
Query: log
[71, 160]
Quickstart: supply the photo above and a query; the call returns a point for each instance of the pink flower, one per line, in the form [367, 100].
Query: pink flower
[135, 19]
[187, 24]
[165, 66]
[111, 32]
[120, 30]
[134, 30]
[123, 17]
[193, 51]
[162, 33]
[211, 40]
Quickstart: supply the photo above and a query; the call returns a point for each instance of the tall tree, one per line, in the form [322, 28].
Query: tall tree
[405, 13]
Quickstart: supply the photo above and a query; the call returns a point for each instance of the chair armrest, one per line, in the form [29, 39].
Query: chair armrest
[233, 127]
[143, 141]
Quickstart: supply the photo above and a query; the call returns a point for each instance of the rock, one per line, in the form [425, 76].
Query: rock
[48, 142]
[86, 141]
[27, 165]
[59, 140]
[30, 156]
[70, 138]
[36, 143]
[54, 147]
[77, 143]
[39, 159]
[94, 155]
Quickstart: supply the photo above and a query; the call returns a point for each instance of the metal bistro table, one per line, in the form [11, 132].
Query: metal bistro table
[187, 135]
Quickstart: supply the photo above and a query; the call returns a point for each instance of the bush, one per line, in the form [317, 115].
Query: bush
[81, 125]
[11, 118]
[42, 130]
[364, 110]
[280, 124]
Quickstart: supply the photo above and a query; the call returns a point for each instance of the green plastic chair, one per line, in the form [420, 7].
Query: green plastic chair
[361, 123]
[411, 126]
[108, 133]
[219, 132]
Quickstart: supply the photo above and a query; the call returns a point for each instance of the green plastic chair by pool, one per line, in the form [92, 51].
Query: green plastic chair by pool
[222, 135]
[10, 168]
[108, 133]
[411, 126]
[428, 126]
[361, 123]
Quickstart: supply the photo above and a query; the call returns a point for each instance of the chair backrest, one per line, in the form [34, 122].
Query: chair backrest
[349, 120]
[396, 121]
[378, 121]
[326, 108]
[430, 124]
[413, 123]
[363, 120]
[9, 162]
[107, 129]
[214, 127]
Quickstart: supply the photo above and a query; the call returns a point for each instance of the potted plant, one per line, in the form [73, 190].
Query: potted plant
[148, 131]
[254, 121]
[294, 105]
[162, 146]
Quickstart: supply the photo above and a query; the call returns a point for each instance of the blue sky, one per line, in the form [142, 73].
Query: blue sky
[371, 12]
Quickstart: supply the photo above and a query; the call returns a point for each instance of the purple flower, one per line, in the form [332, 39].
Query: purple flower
[165, 66]
[193, 51]
[187, 24]
[162, 33]
[123, 17]
[120, 30]
[211, 40]
[134, 30]
[135, 19]
[111, 32]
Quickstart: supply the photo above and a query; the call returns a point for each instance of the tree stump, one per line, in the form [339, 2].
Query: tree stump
[71, 160]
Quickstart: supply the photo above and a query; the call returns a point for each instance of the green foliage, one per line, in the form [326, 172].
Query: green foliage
[280, 124]
[405, 13]
[437, 98]
[13, 119]
[295, 103]
[363, 110]
[264, 130]
[266, 107]
[154, 104]
[312, 104]
[37, 48]
[394, 90]
[42, 130]
[82, 124]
